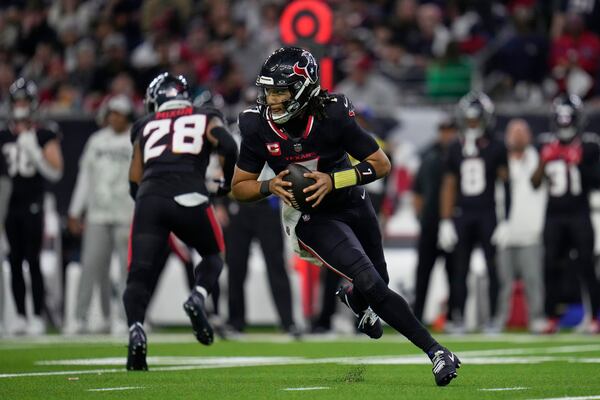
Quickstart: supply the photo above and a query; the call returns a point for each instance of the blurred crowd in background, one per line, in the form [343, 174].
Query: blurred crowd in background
[391, 51]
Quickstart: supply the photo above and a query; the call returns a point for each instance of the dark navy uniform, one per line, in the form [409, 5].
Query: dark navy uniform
[475, 212]
[24, 221]
[175, 154]
[342, 231]
[568, 223]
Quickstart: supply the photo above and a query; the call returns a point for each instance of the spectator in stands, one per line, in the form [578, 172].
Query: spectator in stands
[365, 86]
[114, 61]
[102, 193]
[575, 57]
[519, 240]
[426, 203]
[448, 77]
[521, 60]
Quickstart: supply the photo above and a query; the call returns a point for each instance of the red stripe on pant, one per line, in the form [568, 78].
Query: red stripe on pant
[216, 228]
[314, 254]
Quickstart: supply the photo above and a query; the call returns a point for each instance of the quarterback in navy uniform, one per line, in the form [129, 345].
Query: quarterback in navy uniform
[569, 163]
[172, 145]
[467, 200]
[297, 122]
[33, 156]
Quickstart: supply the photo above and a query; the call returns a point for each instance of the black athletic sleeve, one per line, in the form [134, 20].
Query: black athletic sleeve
[356, 141]
[251, 157]
[46, 135]
[135, 129]
[452, 159]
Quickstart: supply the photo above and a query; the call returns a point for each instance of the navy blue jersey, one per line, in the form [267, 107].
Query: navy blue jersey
[323, 146]
[175, 151]
[569, 184]
[476, 175]
[28, 184]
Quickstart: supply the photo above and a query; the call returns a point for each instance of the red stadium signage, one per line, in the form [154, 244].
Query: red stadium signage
[308, 24]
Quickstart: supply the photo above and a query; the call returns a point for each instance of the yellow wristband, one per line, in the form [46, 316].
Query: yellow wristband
[345, 178]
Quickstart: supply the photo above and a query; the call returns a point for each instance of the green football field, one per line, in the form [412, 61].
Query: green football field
[262, 366]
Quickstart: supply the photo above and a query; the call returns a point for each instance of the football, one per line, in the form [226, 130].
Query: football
[299, 183]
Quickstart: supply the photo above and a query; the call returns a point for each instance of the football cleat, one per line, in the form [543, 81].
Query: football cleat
[194, 308]
[445, 363]
[136, 356]
[368, 322]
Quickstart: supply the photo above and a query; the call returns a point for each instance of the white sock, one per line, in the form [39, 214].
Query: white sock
[202, 291]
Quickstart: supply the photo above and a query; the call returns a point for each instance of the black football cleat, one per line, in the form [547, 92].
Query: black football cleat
[194, 308]
[136, 355]
[368, 322]
[445, 363]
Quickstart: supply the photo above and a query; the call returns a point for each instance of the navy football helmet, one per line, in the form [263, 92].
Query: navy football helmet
[567, 118]
[166, 87]
[475, 114]
[294, 69]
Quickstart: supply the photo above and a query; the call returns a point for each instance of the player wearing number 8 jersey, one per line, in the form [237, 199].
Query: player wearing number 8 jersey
[467, 202]
[172, 146]
[569, 163]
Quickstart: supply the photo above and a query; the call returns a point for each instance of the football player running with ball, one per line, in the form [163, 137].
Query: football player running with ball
[172, 145]
[298, 123]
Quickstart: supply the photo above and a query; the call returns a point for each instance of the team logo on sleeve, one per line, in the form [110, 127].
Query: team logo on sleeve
[274, 149]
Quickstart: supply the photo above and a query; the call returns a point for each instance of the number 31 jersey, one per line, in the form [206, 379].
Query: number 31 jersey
[476, 175]
[175, 151]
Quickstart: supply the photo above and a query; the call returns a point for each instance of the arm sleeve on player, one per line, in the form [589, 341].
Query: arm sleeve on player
[250, 158]
[34, 146]
[228, 149]
[357, 142]
[5, 192]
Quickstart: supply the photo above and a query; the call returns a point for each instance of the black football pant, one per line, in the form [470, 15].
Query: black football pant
[24, 230]
[428, 252]
[154, 218]
[561, 234]
[473, 229]
[348, 240]
[259, 221]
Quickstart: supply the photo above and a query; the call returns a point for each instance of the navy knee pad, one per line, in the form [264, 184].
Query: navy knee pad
[371, 285]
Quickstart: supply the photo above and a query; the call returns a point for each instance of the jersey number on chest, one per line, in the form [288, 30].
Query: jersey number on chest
[472, 177]
[18, 163]
[563, 178]
[186, 135]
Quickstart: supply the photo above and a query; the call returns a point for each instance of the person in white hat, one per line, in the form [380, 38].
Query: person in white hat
[102, 194]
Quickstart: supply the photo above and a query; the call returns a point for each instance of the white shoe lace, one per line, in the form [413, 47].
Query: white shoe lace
[438, 361]
[368, 317]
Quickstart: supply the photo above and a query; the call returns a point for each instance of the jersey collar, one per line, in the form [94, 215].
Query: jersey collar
[284, 136]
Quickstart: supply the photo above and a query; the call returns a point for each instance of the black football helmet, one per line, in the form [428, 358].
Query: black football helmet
[475, 106]
[22, 91]
[292, 68]
[166, 87]
[567, 118]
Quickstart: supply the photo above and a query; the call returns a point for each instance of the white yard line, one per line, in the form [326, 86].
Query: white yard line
[593, 397]
[115, 388]
[306, 388]
[502, 389]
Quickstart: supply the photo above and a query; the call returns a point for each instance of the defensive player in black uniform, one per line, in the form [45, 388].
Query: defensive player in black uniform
[172, 146]
[467, 202]
[569, 163]
[32, 153]
[297, 122]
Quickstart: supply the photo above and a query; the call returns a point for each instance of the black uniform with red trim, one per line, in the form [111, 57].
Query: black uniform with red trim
[568, 225]
[475, 212]
[343, 230]
[172, 196]
[25, 217]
